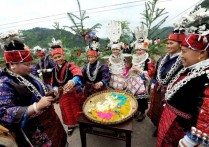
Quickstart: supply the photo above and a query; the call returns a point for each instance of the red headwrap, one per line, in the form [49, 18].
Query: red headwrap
[57, 51]
[40, 53]
[195, 42]
[176, 37]
[92, 53]
[17, 56]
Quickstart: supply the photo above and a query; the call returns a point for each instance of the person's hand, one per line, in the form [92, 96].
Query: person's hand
[98, 85]
[68, 87]
[125, 86]
[39, 70]
[44, 102]
[51, 93]
[44, 70]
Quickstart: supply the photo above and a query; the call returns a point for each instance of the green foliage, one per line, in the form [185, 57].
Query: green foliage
[76, 56]
[127, 35]
[2, 62]
[151, 14]
[205, 4]
[42, 36]
[156, 51]
[162, 33]
[78, 23]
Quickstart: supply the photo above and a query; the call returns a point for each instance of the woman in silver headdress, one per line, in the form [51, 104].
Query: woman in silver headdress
[25, 103]
[142, 71]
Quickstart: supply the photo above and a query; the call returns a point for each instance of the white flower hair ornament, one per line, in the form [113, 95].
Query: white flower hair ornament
[188, 20]
[55, 42]
[94, 45]
[202, 29]
[8, 37]
[200, 13]
[114, 31]
[141, 33]
[37, 49]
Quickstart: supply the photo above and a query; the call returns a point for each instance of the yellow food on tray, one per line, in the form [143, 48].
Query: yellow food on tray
[110, 107]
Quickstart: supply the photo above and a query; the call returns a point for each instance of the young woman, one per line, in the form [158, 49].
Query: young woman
[25, 109]
[143, 69]
[116, 64]
[167, 67]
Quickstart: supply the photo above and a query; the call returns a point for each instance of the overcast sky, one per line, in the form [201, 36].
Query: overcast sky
[27, 14]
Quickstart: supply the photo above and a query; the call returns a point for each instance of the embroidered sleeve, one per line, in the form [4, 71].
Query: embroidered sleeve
[200, 131]
[53, 81]
[151, 68]
[34, 71]
[51, 64]
[10, 113]
[84, 73]
[156, 69]
[77, 80]
[105, 74]
[76, 71]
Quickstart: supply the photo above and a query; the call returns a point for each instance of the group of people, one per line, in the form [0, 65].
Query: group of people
[29, 91]
[177, 85]
[179, 98]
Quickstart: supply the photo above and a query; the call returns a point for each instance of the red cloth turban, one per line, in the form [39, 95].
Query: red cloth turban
[196, 42]
[176, 37]
[57, 51]
[92, 53]
[17, 56]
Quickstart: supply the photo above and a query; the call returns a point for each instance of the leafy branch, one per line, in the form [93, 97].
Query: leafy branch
[78, 23]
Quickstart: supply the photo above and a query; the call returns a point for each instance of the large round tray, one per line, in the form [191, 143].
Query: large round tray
[110, 107]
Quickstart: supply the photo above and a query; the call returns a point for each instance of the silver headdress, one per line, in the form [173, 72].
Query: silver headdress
[55, 42]
[114, 31]
[37, 48]
[187, 20]
[141, 34]
[8, 37]
[94, 45]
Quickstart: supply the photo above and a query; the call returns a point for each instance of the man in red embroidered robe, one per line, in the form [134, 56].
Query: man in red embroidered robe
[68, 76]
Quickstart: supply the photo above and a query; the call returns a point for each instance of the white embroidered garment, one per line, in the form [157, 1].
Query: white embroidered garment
[139, 60]
[117, 82]
[116, 64]
[136, 85]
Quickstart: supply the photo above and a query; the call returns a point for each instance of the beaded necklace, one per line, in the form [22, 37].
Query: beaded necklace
[92, 78]
[139, 60]
[116, 65]
[65, 78]
[170, 73]
[28, 84]
[196, 70]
